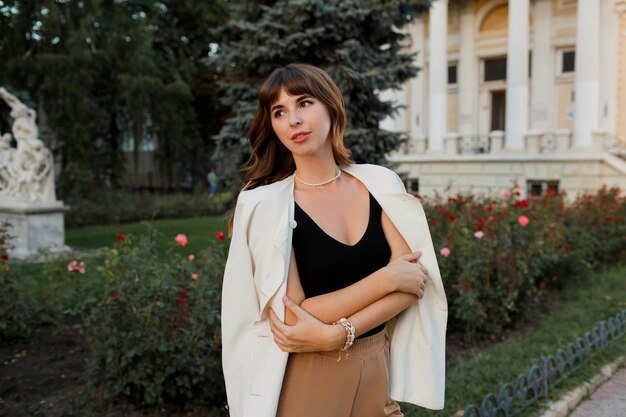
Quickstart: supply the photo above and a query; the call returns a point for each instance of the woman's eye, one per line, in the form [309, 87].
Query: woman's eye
[278, 113]
[306, 103]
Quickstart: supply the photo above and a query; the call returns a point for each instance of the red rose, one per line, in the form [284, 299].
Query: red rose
[115, 295]
[434, 222]
[453, 217]
[567, 248]
[489, 207]
[220, 235]
[5, 257]
[121, 237]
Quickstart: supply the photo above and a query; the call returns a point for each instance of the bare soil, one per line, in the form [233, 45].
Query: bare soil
[44, 376]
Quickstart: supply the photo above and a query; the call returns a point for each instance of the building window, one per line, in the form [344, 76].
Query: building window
[495, 69]
[412, 186]
[540, 188]
[568, 61]
[452, 74]
[498, 110]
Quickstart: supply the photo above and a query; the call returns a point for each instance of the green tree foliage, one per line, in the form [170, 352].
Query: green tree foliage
[103, 70]
[358, 42]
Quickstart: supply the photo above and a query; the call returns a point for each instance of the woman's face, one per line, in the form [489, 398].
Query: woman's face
[302, 124]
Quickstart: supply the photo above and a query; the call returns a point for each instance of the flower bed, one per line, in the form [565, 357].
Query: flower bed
[152, 319]
[496, 255]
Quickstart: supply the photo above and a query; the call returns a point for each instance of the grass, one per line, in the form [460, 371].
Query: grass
[582, 303]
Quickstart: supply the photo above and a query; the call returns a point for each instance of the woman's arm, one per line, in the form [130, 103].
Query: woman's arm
[304, 331]
[402, 275]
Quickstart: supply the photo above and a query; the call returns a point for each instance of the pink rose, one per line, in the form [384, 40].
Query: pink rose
[445, 252]
[181, 239]
[523, 221]
[479, 234]
[191, 257]
[76, 266]
[507, 194]
[72, 266]
[194, 276]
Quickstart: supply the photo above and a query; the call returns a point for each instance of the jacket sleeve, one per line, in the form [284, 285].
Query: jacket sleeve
[239, 310]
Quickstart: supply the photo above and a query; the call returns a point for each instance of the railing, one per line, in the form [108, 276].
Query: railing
[535, 142]
[528, 389]
[474, 144]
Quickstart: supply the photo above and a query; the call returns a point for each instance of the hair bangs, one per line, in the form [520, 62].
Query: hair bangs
[295, 83]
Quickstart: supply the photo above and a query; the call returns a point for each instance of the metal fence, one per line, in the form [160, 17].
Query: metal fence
[528, 389]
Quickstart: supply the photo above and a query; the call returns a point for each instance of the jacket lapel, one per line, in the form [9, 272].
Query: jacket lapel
[270, 281]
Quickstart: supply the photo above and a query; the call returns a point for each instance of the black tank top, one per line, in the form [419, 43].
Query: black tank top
[326, 265]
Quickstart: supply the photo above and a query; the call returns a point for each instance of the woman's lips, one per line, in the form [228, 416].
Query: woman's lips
[300, 137]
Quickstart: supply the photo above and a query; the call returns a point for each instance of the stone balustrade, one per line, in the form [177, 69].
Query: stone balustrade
[535, 142]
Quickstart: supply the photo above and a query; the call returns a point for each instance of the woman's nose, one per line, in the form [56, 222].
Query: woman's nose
[295, 118]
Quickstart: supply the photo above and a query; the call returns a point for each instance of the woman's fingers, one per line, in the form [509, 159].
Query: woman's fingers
[410, 257]
[295, 308]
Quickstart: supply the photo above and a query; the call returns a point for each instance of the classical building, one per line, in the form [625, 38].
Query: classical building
[529, 92]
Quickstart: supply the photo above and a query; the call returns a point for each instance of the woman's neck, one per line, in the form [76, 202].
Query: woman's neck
[315, 170]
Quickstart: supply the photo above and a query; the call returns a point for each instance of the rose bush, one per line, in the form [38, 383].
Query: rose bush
[154, 330]
[497, 255]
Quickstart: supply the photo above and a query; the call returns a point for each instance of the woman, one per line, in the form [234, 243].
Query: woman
[332, 301]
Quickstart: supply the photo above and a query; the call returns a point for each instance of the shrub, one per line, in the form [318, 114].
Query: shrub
[154, 330]
[15, 312]
[115, 207]
[501, 254]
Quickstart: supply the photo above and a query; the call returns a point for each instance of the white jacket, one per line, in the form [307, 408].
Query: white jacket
[256, 278]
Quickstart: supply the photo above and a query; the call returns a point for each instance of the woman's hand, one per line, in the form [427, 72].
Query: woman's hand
[407, 274]
[308, 334]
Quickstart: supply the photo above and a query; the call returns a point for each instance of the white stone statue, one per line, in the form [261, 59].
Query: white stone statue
[26, 171]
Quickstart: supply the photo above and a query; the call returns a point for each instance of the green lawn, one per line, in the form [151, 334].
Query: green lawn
[582, 303]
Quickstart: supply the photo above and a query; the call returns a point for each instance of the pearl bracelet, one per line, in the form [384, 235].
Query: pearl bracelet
[350, 335]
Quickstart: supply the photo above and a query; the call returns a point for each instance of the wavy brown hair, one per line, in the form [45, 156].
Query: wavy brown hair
[271, 161]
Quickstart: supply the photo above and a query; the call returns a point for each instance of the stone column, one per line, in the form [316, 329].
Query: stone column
[438, 75]
[517, 75]
[620, 94]
[417, 87]
[467, 76]
[587, 72]
[542, 79]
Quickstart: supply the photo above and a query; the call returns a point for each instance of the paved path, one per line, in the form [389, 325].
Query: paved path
[608, 401]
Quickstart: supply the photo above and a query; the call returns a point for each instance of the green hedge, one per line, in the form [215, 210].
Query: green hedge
[116, 207]
[15, 312]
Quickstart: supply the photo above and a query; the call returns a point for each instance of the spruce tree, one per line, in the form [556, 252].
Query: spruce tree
[360, 44]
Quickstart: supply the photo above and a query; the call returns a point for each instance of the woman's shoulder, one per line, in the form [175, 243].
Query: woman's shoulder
[270, 195]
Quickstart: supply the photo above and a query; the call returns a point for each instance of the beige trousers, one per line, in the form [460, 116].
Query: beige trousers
[316, 385]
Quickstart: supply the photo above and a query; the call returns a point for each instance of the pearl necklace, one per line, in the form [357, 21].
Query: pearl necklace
[318, 184]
